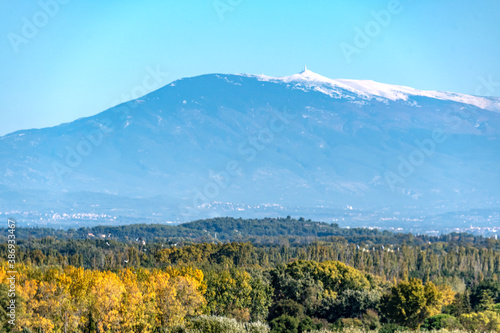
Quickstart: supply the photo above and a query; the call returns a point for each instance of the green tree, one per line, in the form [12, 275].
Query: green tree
[229, 292]
[308, 324]
[459, 305]
[286, 307]
[349, 304]
[260, 296]
[485, 294]
[409, 303]
[285, 324]
[303, 288]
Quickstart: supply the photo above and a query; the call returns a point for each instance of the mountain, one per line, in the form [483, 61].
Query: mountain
[352, 151]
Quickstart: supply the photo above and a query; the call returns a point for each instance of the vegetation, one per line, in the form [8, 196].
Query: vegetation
[257, 231]
[319, 277]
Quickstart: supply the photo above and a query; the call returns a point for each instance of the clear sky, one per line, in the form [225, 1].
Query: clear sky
[76, 59]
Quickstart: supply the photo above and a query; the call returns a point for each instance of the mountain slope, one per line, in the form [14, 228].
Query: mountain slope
[252, 144]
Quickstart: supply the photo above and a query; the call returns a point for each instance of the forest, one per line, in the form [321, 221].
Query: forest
[236, 275]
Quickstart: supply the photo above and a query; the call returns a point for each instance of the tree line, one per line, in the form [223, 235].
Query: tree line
[128, 284]
[266, 231]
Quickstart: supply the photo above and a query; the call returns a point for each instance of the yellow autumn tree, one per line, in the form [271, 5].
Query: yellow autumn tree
[34, 316]
[3, 274]
[63, 307]
[81, 282]
[175, 297]
[137, 310]
[447, 294]
[49, 304]
[189, 297]
[105, 300]
[410, 302]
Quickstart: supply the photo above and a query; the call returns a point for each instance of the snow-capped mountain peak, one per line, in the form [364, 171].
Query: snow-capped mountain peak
[308, 75]
[304, 142]
[368, 89]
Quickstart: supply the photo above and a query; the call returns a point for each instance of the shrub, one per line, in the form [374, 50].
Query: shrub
[441, 321]
[215, 324]
[285, 324]
[392, 328]
[481, 321]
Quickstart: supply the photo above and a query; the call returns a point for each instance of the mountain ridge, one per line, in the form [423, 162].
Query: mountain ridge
[291, 147]
[389, 91]
[308, 75]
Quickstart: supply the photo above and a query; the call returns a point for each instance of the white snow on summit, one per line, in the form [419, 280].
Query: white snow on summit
[368, 89]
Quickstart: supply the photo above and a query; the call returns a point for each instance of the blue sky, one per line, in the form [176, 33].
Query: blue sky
[82, 57]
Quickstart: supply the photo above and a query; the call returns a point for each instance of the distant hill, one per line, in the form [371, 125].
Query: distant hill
[258, 231]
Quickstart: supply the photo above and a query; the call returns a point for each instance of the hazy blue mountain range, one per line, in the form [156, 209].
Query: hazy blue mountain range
[350, 151]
